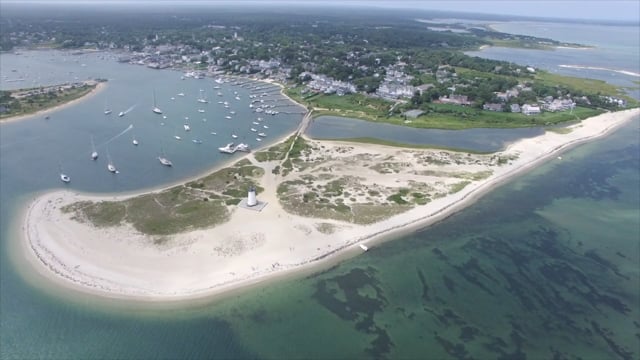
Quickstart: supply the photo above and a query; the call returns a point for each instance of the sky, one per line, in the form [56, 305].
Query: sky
[623, 10]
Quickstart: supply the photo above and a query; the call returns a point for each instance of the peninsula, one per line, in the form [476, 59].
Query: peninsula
[322, 198]
[22, 103]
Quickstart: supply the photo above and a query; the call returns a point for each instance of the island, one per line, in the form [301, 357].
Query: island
[296, 204]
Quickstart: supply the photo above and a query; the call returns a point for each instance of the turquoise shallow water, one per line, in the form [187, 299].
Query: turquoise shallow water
[545, 266]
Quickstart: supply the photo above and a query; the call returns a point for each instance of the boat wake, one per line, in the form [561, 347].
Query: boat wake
[117, 136]
[129, 109]
[582, 67]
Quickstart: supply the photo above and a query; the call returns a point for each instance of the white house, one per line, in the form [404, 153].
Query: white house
[530, 109]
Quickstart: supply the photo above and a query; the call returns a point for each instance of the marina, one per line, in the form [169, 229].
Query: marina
[92, 118]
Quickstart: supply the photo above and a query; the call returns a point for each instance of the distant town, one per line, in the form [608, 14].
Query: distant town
[408, 67]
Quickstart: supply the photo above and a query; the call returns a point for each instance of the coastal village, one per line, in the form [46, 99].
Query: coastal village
[395, 84]
[410, 86]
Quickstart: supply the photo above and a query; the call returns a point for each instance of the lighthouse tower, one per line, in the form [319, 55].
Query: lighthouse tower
[251, 197]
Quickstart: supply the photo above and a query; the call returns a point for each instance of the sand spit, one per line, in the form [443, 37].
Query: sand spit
[253, 246]
[96, 90]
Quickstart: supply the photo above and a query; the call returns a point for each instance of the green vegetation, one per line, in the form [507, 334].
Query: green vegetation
[168, 212]
[326, 228]
[454, 188]
[438, 116]
[174, 211]
[198, 204]
[276, 152]
[28, 101]
[588, 86]
[102, 214]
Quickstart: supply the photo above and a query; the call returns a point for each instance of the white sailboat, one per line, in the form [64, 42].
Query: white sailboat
[202, 98]
[163, 159]
[110, 166]
[135, 141]
[64, 177]
[94, 153]
[155, 108]
[227, 149]
[107, 111]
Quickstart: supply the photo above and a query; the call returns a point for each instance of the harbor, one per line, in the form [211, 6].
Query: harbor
[189, 138]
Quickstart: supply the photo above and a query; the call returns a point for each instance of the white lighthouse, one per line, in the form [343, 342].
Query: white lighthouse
[251, 197]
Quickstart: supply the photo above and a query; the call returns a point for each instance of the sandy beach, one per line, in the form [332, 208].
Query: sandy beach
[254, 246]
[99, 87]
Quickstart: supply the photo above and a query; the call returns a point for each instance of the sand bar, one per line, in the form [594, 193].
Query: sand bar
[119, 262]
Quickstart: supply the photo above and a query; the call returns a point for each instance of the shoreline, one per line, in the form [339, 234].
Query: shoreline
[61, 249]
[99, 87]
[455, 203]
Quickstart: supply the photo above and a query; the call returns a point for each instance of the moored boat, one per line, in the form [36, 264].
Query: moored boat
[65, 178]
[163, 159]
[228, 149]
[155, 109]
[94, 153]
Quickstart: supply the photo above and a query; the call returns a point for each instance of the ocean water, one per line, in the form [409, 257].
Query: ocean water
[613, 56]
[544, 266]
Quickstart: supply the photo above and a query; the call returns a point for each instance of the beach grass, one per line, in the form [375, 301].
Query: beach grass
[198, 204]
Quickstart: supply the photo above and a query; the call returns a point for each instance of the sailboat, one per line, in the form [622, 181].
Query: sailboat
[110, 166]
[163, 160]
[135, 141]
[107, 111]
[155, 108]
[64, 177]
[94, 153]
[202, 98]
